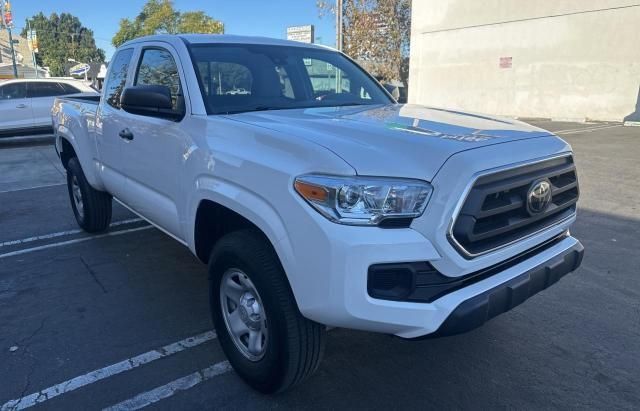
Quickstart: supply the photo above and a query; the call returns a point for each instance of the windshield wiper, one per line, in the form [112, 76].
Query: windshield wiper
[265, 107]
[255, 108]
[347, 104]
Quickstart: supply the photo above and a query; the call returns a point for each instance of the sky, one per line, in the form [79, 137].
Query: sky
[245, 17]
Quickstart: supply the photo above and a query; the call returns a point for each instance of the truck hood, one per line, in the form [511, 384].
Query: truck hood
[393, 140]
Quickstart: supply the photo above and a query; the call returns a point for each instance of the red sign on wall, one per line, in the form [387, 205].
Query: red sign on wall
[506, 62]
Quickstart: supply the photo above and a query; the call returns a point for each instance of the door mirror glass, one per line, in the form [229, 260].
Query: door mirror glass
[154, 101]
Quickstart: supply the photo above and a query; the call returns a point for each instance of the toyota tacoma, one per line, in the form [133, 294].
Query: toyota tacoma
[315, 199]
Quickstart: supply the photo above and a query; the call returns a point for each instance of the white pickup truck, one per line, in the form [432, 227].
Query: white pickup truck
[315, 199]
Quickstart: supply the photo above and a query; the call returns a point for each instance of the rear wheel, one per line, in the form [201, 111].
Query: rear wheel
[266, 339]
[91, 207]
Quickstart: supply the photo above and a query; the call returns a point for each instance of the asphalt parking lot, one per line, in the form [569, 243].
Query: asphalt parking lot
[121, 319]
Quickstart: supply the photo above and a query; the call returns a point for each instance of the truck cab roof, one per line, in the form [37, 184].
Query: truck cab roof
[222, 39]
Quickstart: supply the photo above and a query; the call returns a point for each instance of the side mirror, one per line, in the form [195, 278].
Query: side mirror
[154, 101]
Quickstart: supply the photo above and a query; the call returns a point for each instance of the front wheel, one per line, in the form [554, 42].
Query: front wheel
[266, 339]
[91, 207]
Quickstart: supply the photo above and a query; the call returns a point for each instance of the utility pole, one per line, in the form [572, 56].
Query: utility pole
[339, 42]
[13, 54]
[7, 19]
[339, 25]
[32, 45]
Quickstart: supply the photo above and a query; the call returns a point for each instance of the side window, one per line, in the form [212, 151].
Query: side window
[117, 77]
[158, 68]
[43, 89]
[225, 79]
[13, 91]
[69, 89]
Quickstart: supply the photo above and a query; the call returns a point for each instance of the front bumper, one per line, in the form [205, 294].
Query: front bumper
[475, 311]
[331, 287]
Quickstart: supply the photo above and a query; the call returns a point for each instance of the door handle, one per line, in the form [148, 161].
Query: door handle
[126, 134]
[21, 106]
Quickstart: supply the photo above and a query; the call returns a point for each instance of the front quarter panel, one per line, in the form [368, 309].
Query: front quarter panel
[251, 171]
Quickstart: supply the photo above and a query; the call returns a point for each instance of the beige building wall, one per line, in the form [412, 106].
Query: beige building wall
[569, 59]
[24, 59]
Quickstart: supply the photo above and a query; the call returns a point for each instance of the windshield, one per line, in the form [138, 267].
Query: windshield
[236, 78]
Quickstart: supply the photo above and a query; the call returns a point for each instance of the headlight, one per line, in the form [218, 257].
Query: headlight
[364, 200]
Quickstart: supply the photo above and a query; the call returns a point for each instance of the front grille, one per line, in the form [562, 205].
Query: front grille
[495, 212]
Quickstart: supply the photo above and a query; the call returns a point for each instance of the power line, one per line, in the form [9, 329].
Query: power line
[497, 23]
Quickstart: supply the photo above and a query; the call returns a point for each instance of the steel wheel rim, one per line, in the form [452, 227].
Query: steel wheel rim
[77, 196]
[243, 314]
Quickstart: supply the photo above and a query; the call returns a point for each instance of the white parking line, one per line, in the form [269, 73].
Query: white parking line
[165, 391]
[576, 129]
[584, 127]
[75, 241]
[106, 372]
[62, 233]
[585, 130]
[33, 188]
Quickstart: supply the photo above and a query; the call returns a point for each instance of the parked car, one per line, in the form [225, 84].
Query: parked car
[25, 104]
[315, 206]
[237, 91]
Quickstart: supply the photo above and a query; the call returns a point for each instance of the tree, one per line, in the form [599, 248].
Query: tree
[62, 37]
[159, 16]
[376, 33]
[198, 22]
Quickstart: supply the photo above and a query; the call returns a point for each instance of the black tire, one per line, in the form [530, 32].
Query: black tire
[295, 344]
[95, 213]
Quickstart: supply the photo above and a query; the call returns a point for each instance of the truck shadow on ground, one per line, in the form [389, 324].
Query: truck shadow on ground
[555, 349]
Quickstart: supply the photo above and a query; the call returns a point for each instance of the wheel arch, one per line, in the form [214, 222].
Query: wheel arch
[65, 151]
[69, 145]
[236, 208]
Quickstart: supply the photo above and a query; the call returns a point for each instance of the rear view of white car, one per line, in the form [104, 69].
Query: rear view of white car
[25, 104]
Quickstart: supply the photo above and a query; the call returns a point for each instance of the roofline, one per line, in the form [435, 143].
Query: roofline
[42, 79]
[233, 39]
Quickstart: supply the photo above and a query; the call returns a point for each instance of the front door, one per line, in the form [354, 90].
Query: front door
[155, 154]
[15, 109]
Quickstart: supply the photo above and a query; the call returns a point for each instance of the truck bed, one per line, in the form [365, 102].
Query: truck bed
[76, 115]
[91, 98]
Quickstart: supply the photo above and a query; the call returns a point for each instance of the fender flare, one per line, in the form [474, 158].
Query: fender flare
[84, 153]
[247, 204]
